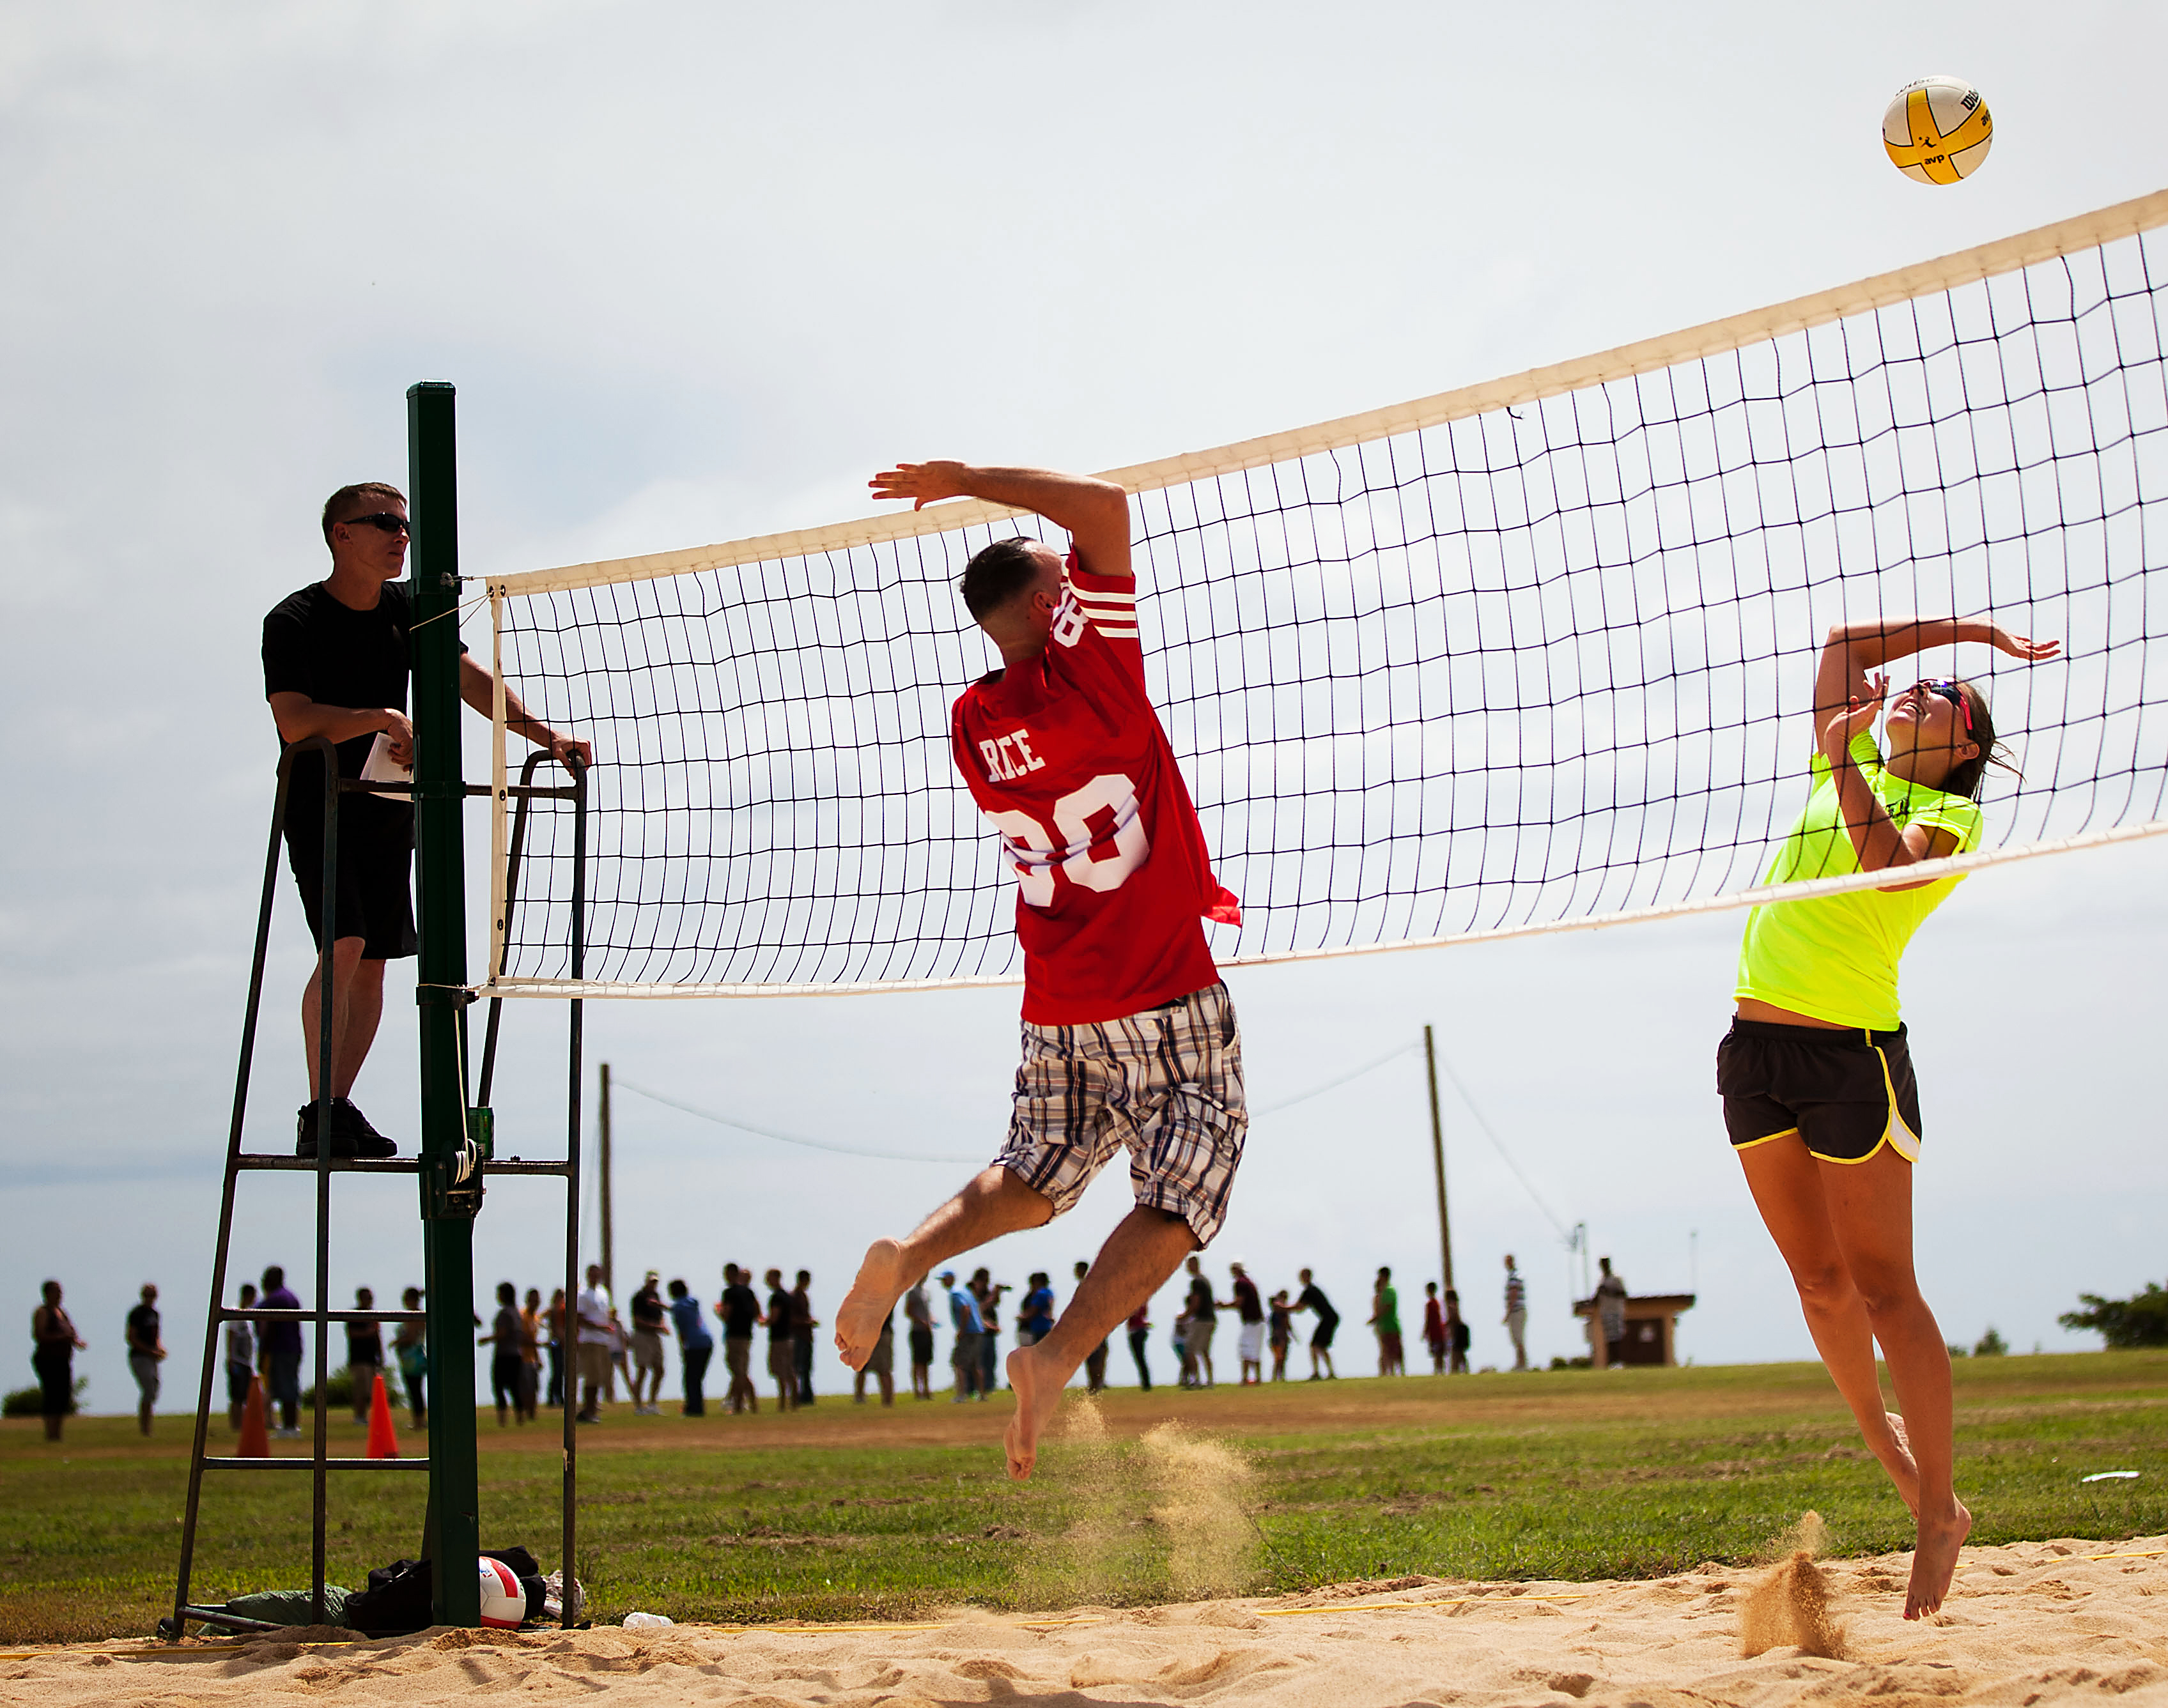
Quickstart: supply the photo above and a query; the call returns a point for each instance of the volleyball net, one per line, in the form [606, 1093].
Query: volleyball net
[1527, 655]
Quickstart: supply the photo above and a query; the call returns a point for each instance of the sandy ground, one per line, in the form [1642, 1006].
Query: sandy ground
[2030, 1623]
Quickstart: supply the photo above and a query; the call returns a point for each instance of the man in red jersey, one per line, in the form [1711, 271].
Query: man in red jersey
[1129, 1039]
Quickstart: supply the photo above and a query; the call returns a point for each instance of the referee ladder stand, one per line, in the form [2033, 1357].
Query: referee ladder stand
[449, 1184]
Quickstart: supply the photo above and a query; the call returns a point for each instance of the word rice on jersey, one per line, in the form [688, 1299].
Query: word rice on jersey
[1066, 757]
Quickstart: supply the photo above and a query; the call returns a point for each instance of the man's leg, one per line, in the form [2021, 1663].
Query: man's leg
[995, 1202]
[356, 1007]
[1145, 1249]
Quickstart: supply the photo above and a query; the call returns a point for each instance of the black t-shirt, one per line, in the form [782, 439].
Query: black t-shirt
[364, 1343]
[647, 1315]
[1203, 1307]
[741, 1312]
[779, 1315]
[801, 1314]
[1312, 1297]
[1247, 1304]
[338, 656]
[142, 1329]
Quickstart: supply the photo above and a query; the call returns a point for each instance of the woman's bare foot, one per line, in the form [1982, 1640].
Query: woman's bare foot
[881, 1282]
[1902, 1471]
[1935, 1562]
[1037, 1397]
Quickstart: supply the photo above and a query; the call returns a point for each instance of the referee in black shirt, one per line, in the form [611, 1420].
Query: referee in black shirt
[336, 663]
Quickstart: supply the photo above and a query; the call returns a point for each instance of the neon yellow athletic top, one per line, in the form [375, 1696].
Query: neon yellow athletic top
[1835, 956]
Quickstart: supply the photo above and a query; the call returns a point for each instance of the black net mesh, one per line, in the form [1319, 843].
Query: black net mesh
[1540, 665]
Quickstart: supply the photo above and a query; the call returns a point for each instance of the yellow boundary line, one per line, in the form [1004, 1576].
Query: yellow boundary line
[2143, 1554]
[1413, 1606]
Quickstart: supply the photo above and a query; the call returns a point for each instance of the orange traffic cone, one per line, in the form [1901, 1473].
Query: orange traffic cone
[255, 1440]
[383, 1438]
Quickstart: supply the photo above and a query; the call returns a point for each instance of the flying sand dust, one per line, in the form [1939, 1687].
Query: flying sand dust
[1168, 1514]
[1792, 1604]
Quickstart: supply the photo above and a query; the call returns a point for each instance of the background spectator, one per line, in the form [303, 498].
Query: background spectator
[410, 1345]
[1248, 1310]
[963, 1355]
[530, 1353]
[880, 1365]
[1435, 1339]
[53, 1344]
[240, 1359]
[803, 1322]
[505, 1363]
[695, 1347]
[1611, 1314]
[918, 1312]
[649, 1319]
[557, 1344]
[1312, 1299]
[782, 1366]
[1095, 1361]
[1516, 1314]
[1140, 1332]
[739, 1307]
[364, 1354]
[594, 1315]
[282, 1353]
[1282, 1334]
[146, 1353]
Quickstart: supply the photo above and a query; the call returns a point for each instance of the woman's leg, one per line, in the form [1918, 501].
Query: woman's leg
[1787, 1183]
[1846, 1233]
[1870, 1206]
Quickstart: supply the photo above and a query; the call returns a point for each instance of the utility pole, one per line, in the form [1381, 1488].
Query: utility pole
[1437, 1156]
[602, 1115]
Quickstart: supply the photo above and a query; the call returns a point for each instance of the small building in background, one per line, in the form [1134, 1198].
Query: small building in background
[1652, 1321]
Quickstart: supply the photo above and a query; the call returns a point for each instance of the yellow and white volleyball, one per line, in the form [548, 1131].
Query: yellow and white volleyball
[1937, 130]
[503, 1597]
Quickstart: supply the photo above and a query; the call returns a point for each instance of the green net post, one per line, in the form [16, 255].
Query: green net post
[449, 1199]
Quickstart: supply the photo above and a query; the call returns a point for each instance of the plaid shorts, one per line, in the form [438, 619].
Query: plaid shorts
[1167, 1084]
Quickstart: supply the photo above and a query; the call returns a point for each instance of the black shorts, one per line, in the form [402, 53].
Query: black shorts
[1321, 1340]
[1846, 1093]
[375, 851]
[921, 1346]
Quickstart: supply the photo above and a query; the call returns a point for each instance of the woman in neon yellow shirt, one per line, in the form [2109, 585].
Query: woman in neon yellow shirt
[1819, 1096]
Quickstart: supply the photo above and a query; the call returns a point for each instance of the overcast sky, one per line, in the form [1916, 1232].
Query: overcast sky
[696, 271]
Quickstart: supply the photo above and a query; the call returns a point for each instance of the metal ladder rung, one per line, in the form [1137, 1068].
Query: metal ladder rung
[291, 1464]
[275, 1163]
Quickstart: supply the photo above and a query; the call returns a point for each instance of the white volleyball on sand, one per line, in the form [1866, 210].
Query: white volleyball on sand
[1937, 130]
[503, 1598]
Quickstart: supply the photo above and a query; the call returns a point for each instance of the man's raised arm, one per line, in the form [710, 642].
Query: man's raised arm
[1095, 512]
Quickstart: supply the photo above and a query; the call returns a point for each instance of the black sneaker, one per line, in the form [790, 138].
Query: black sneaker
[353, 1136]
[305, 1134]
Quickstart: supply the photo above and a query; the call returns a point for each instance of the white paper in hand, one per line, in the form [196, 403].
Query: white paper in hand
[381, 767]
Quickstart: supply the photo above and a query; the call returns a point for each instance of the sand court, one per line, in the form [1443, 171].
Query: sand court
[2029, 1623]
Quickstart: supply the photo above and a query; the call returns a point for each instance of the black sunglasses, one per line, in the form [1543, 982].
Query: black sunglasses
[1955, 695]
[389, 521]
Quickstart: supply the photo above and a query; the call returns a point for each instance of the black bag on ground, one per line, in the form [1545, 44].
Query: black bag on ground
[397, 1601]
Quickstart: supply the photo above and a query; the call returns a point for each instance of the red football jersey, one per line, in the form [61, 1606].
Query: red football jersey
[1067, 758]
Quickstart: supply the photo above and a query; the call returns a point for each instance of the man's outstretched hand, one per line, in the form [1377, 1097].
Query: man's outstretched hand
[922, 483]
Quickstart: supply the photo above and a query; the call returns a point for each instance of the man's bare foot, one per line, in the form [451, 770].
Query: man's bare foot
[1037, 1397]
[1935, 1562]
[881, 1282]
[1902, 1471]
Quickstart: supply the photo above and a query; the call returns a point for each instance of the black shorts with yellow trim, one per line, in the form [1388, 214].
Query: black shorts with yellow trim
[1846, 1093]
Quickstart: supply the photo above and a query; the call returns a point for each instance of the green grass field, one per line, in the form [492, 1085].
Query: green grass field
[847, 1512]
